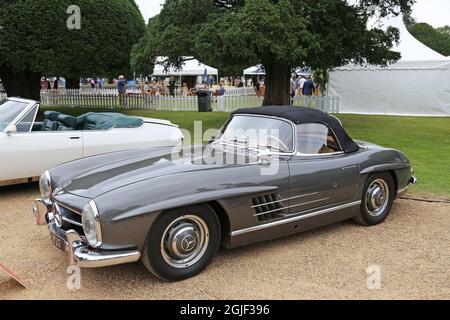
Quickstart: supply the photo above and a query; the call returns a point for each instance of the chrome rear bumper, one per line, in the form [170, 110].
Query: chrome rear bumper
[77, 250]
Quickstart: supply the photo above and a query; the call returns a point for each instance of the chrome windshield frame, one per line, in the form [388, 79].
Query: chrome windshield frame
[258, 148]
[29, 105]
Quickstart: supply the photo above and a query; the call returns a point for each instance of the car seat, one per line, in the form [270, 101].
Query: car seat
[67, 122]
[51, 121]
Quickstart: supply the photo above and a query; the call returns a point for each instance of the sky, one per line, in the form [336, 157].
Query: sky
[434, 12]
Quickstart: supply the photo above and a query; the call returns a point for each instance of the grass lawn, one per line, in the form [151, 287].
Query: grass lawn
[426, 141]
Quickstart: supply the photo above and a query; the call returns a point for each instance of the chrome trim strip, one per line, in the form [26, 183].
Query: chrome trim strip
[72, 221]
[287, 199]
[320, 155]
[294, 219]
[68, 208]
[293, 206]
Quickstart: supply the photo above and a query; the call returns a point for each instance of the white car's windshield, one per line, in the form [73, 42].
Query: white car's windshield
[259, 132]
[9, 110]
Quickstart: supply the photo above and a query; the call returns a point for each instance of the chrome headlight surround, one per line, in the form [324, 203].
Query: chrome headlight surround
[45, 187]
[91, 224]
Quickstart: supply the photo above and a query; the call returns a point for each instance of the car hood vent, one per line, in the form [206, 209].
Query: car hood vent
[268, 207]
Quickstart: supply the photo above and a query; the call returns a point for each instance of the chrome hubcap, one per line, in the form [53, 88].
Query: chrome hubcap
[377, 197]
[185, 241]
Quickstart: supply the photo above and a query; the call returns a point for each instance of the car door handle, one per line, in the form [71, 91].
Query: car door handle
[74, 138]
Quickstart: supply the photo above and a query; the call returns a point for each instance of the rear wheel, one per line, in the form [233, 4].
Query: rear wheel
[377, 199]
[182, 242]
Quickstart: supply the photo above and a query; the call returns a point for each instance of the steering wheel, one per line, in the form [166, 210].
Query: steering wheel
[280, 143]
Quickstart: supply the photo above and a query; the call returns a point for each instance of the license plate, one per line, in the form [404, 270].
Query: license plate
[58, 242]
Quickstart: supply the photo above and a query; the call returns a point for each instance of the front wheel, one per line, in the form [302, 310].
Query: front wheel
[182, 242]
[377, 199]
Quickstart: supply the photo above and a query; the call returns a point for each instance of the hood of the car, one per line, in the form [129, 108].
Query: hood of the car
[128, 168]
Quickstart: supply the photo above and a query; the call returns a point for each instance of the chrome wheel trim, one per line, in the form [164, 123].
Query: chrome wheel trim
[184, 242]
[377, 198]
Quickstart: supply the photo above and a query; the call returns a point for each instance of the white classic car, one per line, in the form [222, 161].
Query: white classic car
[28, 148]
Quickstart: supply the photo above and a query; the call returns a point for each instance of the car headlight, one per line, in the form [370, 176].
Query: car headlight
[91, 225]
[45, 186]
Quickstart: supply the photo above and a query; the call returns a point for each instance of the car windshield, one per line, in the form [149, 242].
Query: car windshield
[9, 110]
[258, 132]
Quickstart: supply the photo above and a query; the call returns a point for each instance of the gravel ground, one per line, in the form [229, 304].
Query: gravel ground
[411, 248]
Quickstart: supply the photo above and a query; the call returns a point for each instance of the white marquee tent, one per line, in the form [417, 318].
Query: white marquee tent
[255, 71]
[417, 85]
[191, 67]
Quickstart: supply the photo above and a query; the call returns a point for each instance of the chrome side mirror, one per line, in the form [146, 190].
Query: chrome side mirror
[265, 158]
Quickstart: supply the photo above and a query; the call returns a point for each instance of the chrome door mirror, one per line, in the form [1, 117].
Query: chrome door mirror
[265, 158]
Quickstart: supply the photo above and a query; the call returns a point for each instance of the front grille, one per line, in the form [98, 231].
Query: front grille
[268, 207]
[69, 219]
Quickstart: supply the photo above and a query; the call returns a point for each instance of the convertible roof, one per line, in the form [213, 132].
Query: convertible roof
[299, 115]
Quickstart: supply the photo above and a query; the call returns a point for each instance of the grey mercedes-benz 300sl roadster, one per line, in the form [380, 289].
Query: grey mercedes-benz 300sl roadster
[173, 208]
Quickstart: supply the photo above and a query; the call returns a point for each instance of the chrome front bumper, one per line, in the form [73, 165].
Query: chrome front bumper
[412, 181]
[77, 250]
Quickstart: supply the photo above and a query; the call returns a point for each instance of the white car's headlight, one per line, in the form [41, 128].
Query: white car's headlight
[91, 225]
[45, 186]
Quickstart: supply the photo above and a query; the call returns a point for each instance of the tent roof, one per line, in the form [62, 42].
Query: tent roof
[255, 70]
[409, 47]
[415, 55]
[191, 67]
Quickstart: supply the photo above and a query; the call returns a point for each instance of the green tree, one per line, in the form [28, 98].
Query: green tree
[444, 30]
[436, 39]
[35, 40]
[279, 34]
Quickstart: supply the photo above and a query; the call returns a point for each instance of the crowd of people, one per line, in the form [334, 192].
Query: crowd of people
[160, 88]
[303, 86]
[299, 86]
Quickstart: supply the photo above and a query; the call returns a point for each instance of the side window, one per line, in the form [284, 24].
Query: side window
[315, 138]
[26, 123]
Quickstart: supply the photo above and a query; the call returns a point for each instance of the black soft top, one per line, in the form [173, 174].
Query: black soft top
[301, 115]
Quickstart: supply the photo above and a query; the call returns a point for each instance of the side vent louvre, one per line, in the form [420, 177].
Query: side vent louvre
[268, 207]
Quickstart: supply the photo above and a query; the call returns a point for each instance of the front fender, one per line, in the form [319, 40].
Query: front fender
[128, 213]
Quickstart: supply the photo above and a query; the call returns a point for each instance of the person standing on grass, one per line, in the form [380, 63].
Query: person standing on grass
[308, 87]
[122, 88]
[301, 84]
[292, 88]
[308, 91]
[172, 86]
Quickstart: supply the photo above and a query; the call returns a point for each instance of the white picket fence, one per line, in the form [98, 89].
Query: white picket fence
[3, 95]
[247, 91]
[75, 98]
[178, 92]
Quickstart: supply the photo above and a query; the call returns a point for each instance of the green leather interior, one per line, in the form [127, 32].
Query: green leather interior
[51, 121]
[55, 121]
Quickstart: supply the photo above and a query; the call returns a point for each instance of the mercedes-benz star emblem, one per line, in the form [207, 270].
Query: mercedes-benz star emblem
[188, 243]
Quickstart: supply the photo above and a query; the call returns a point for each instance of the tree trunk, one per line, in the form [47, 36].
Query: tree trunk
[73, 83]
[24, 84]
[278, 85]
